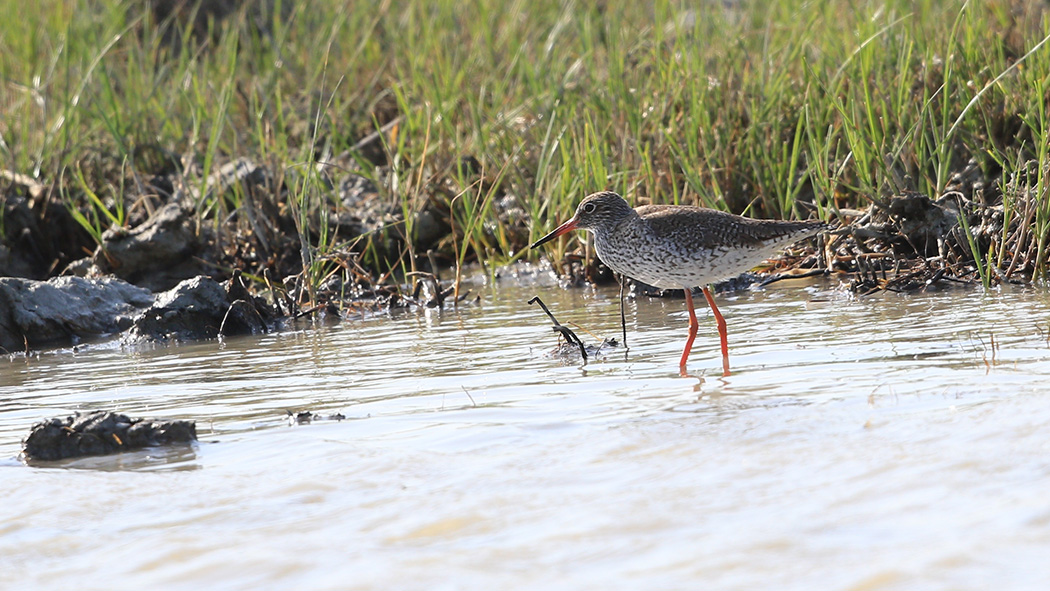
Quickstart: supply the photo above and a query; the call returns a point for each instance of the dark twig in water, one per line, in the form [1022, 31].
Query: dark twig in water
[429, 285]
[469, 396]
[306, 417]
[563, 330]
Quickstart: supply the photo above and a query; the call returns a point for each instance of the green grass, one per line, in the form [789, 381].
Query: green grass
[761, 107]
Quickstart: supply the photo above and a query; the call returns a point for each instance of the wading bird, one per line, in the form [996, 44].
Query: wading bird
[680, 247]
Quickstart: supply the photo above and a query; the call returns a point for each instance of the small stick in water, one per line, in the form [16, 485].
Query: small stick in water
[563, 330]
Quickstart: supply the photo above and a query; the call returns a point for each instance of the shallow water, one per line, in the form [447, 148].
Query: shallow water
[875, 443]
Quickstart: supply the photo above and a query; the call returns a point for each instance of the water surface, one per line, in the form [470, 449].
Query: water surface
[888, 442]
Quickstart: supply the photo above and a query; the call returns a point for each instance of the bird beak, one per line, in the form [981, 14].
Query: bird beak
[568, 226]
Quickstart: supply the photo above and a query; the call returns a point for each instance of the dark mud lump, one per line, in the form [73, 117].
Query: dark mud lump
[102, 432]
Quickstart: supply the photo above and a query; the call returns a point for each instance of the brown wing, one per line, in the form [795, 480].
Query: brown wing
[709, 228]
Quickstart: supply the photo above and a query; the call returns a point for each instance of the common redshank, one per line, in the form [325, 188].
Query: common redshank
[680, 247]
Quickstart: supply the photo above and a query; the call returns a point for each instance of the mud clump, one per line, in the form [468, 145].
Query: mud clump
[69, 310]
[156, 254]
[65, 310]
[100, 433]
[201, 308]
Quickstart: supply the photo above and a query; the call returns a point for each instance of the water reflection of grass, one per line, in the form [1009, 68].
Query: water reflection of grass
[494, 117]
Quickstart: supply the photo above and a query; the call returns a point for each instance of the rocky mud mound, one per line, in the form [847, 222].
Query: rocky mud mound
[100, 433]
[70, 310]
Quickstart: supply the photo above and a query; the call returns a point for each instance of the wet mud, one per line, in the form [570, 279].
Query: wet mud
[100, 433]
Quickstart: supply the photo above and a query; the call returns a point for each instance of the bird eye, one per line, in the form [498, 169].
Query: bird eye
[588, 208]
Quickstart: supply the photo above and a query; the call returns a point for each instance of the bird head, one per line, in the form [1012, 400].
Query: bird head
[596, 211]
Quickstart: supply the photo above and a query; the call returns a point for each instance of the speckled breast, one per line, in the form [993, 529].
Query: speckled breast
[663, 265]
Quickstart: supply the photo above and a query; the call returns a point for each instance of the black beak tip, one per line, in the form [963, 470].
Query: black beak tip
[567, 226]
[543, 240]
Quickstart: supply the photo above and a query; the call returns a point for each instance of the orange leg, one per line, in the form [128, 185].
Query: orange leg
[693, 327]
[722, 332]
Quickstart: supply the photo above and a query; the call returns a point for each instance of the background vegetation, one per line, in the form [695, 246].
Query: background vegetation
[493, 117]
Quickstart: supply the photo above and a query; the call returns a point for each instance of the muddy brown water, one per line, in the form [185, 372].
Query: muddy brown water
[875, 443]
